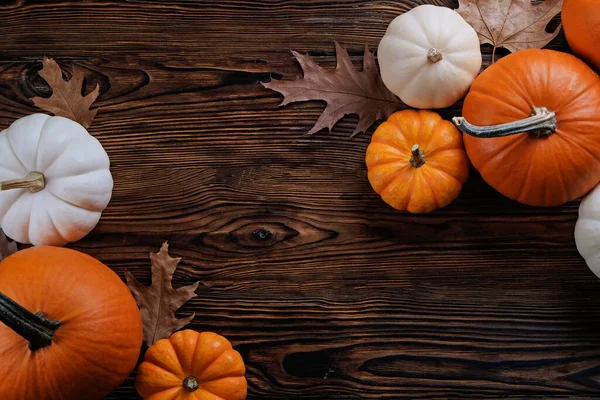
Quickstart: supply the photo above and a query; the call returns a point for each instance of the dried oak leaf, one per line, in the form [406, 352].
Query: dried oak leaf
[346, 91]
[67, 100]
[7, 247]
[512, 24]
[159, 301]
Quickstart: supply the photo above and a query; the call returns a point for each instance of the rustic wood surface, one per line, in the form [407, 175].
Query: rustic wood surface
[326, 291]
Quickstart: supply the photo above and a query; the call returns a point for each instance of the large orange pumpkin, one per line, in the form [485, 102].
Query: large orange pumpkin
[86, 340]
[192, 366]
[581, 23]
[532, 127]
[416, 161]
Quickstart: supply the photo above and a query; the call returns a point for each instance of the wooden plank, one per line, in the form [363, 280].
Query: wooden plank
[326, 291]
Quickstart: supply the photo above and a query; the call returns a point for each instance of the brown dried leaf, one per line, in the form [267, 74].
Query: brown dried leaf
[512, 24]
[6, 246]
[159, 301]
[66, 100]
[346, 91]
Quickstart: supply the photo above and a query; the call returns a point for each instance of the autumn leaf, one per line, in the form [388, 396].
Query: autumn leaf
[512, 24]
[7, 247]
[66, 100]
[159, 301]
[346, 91]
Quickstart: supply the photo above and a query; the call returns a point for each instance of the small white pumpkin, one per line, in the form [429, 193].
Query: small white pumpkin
[587, 230]
[54, 180]
[429, 56]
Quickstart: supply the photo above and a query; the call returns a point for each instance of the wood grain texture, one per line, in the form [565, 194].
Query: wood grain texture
[326, 291]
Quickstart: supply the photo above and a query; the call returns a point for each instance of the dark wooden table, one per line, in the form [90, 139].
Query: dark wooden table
[327, 292]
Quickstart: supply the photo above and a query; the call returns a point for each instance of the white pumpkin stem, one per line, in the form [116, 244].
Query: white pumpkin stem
[34, 181]
[541, 123]
[418, 156]
[434, 55]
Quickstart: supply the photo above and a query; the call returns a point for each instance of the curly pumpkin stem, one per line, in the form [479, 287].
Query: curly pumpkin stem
[541, 123]
[34, 181]
[35, 328]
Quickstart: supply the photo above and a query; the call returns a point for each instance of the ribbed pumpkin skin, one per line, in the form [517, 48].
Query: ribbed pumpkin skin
[581, 23]
[545, 171]
[401, 185]
[208, 357]
[96, 347]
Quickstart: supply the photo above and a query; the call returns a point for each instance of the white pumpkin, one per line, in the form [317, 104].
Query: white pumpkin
[429, 56]
[587, 230]
[55, 180]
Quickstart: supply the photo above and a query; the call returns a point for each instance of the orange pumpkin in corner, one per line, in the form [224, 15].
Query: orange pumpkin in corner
[70, 328]
[581, 23]
[416, 161]
[192, 366]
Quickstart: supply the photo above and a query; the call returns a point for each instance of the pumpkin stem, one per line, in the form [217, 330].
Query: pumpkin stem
[35, 328]
[418, 156]
[191, 384]
[434, 55]
[541, 123]
[34, 181]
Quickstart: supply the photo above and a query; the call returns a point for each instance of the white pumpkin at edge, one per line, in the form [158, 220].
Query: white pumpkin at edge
[68, 182]
[587, 230]
[429, 56]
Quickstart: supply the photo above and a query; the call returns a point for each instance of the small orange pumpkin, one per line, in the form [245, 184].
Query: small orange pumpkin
[531, 127]
[192, 366]
[70, 329]
[416, 161]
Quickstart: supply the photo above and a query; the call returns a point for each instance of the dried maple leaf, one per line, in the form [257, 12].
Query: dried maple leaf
[512, 24]
[159, 301]
[346, 91]
[6, 246]
[66, 100]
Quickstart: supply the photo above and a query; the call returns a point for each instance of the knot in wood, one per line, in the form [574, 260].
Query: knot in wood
[262, 234]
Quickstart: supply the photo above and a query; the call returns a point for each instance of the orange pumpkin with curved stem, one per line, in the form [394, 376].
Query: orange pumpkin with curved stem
[531, 123]
[192, 366]
[416, 161]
